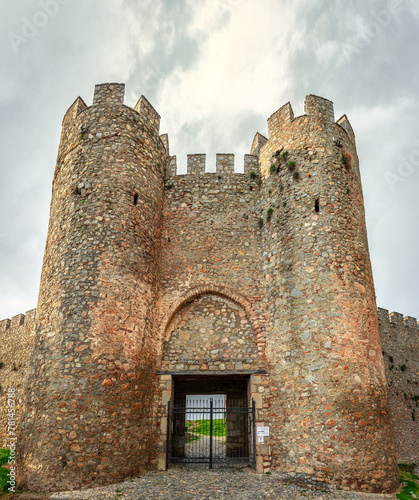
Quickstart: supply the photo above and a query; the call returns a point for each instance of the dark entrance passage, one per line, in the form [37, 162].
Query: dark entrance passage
[211, 422]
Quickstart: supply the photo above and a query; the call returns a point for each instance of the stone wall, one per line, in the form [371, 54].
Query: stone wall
[16, 341]
[92, 382]
[211, 241]
[327, 379]
[400, 344]
[210, 334]
[264, 275]
[211, 262]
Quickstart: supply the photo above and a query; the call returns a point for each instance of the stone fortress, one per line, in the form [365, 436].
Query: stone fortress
[152, 281]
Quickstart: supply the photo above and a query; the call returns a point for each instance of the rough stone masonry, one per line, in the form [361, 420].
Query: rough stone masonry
[150, 276]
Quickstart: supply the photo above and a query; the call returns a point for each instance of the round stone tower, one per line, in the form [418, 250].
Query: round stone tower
[329, 408]
[89, 411]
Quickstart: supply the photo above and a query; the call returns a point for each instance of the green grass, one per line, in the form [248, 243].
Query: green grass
[409, 482]
[3, 480]
[203, 426]
[191, 437]
[4, 456]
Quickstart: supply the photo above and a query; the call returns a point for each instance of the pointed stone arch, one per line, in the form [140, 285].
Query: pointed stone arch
[222, 292]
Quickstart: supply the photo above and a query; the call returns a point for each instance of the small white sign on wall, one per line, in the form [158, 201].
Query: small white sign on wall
[262, 431]
[260, 439]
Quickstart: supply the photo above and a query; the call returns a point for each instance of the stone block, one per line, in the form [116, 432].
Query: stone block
[163, 426]
[166, 397]
[224, 163]
[161, 462]
[263, 449]
[258, 398]
[251, 164]
[109, 93]
[196, 164]
[259, 464]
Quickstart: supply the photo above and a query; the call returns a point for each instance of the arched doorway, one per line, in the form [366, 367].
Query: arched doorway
[210, 352]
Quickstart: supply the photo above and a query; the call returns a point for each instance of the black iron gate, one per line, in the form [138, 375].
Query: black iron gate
[214, 432]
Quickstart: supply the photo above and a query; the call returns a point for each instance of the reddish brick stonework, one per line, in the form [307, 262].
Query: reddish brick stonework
[89, 412]
[149, 275]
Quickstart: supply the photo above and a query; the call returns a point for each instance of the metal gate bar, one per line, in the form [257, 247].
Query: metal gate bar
[214, 433]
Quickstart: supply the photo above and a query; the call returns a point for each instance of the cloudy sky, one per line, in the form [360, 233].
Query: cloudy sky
[215, 70]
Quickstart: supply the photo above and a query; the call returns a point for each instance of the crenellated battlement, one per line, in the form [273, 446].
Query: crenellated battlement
[344, 123]
[165, 140]
[310, 134]
[109, 93]
[17, 320]
[258, 141]
[112, 94]
[397, 319]
[75, 109]
[251, 164]
[148, 113]
[5, 324]
[315, 107]
[196, 164]
[282, 117]
[224, 164]
[319, 107]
